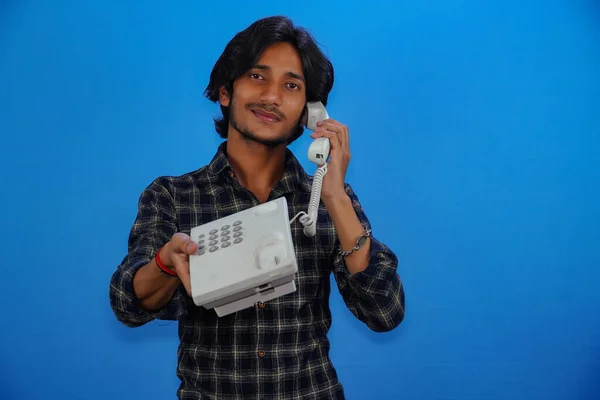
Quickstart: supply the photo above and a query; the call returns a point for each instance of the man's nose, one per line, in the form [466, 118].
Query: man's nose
[272, 93]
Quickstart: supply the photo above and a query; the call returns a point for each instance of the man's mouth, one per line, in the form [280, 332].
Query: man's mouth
[265, 116]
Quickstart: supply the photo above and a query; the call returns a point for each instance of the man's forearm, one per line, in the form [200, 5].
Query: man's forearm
[152, 287]
[349, 229]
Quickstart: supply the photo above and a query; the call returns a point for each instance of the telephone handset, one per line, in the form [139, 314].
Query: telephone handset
[318, 152]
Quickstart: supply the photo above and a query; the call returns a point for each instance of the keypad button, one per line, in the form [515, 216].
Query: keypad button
[213, 237]
[225, 244]
[225, 227]
[237, 228]
[214, 248]
[237, 234]
[226, 232]
[236, 223]
[213, 231]
[237, 240]
[213, 242]
[225, 238]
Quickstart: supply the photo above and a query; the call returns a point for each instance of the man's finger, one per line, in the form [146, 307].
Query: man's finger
[182, 243]
[183, 272]
[331, 122]
[340, 130]
[191, 247]
[333, 137]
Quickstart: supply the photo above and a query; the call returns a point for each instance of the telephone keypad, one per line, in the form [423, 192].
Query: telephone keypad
[221, 238]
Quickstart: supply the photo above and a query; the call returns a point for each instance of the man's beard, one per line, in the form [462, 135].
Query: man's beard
[251, 136]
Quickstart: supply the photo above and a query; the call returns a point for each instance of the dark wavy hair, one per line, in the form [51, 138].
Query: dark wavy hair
[243, 52]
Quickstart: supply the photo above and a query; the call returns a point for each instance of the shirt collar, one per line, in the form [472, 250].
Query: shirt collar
[294, 175]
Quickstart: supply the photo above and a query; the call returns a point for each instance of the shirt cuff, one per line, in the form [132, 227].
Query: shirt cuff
[373, 280]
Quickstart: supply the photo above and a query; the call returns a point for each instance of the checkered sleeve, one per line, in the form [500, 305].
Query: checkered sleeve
[376, 295]
[155, 224]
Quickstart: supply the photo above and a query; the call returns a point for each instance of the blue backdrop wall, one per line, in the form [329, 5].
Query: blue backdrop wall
[475, 133]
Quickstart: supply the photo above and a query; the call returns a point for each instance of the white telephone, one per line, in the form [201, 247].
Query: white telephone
[249, 256]
[318, 152]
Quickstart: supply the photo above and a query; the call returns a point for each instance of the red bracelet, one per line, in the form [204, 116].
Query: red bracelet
[162, 266]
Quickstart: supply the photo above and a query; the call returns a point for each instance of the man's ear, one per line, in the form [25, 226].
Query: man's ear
[224, 98]
[304, 116]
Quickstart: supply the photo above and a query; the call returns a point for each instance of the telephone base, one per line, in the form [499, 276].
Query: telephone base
[243, 258]
[236, 303]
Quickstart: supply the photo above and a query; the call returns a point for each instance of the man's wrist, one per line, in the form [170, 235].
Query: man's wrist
[165, 255]
[164, 262]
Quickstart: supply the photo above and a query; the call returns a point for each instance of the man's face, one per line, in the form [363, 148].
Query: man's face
[268, 100]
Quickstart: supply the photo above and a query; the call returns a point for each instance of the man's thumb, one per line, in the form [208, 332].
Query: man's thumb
[180, 242]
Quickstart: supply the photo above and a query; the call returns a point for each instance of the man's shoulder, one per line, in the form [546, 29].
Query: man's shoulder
[185, 180]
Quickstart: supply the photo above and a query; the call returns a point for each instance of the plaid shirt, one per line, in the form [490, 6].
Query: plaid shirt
[276, 350]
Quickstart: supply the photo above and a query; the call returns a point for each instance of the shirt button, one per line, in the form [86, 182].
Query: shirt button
[261, 353]
[261, 305]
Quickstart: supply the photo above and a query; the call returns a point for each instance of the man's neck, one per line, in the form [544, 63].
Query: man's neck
[257, 167]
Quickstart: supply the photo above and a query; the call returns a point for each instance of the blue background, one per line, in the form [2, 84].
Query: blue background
[475, 131]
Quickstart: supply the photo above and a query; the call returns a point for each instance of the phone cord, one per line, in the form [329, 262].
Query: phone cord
[309, 220]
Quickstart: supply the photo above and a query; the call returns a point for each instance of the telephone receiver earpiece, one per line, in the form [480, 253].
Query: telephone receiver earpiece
[316, 112]
[318, 152]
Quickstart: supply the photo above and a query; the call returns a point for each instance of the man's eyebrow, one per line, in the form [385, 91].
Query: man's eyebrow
[296, 76]
[289, 73]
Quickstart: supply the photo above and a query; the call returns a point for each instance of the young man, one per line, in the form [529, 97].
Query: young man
[276, 350]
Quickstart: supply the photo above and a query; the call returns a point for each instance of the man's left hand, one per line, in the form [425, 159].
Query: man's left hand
[333, 182]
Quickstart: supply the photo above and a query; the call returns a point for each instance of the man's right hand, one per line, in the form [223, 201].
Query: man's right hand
[175, 255]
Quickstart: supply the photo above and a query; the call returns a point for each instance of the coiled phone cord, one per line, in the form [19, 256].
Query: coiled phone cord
[309, 220]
